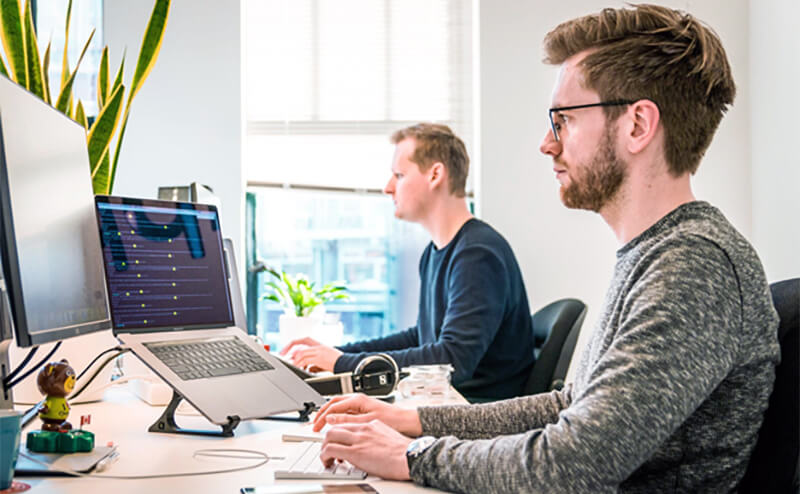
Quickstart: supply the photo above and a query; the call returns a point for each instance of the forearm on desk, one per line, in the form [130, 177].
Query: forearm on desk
[511, 416]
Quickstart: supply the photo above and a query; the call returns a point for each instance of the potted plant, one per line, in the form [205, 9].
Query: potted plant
[28, 69]
[303, 306]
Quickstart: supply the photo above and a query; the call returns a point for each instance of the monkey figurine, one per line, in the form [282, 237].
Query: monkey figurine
[56, 380]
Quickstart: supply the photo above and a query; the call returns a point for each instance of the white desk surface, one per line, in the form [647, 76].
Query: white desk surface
[123, 419]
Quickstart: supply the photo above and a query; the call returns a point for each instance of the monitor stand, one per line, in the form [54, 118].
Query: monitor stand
[6, 396]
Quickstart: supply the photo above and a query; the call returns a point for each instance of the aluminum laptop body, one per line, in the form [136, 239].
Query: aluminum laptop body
[167, 280]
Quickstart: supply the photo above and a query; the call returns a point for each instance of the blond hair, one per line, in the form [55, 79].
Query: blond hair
[436, 143]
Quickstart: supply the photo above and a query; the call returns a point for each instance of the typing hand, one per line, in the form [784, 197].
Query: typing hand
[361, 409]
[316, 358]
[373, 447]
[300, 341]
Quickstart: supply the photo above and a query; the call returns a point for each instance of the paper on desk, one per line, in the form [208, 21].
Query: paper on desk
[78, 462]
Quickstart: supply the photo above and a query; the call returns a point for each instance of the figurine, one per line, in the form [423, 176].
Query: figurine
[56, 380]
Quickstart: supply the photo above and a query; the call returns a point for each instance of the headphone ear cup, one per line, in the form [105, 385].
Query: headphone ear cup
[376, 375]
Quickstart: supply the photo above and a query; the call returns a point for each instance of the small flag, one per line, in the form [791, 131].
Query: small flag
[86, 420]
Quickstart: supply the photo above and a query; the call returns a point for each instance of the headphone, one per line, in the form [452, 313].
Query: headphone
[375, 375]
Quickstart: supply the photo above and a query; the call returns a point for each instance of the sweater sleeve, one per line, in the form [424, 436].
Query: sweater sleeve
[676, 341]
[488, 420]
[477, 294]
[354, 352]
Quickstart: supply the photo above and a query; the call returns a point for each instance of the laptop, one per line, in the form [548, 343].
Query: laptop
[171, 304]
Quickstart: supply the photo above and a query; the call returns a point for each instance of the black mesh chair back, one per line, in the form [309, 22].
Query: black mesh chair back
[775, 462]
[555, 332]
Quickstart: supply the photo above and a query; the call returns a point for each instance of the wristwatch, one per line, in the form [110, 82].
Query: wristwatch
[417, 447]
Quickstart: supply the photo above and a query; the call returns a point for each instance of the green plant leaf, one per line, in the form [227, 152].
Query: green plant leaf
[148, 54]
[14, 40]
[151, 45]
[64, 60]
[80, 115]
[100, 180]
[102, 79]
[103, 130]
[120, 72]
[34, 75]
[65, 97]
[45, 76]
[3, 69]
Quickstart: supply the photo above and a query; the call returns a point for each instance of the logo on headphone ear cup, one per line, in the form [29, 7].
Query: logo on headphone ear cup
[376, 375]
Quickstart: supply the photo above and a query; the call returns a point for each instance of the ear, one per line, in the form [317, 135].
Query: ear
[643, 125]
[436, 175]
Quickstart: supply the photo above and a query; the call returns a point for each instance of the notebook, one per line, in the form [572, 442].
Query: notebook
[170, 302]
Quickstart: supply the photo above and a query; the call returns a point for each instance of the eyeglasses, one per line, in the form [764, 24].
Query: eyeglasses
[556, 127]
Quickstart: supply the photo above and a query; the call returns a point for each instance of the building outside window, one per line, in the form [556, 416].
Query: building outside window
[326, 83]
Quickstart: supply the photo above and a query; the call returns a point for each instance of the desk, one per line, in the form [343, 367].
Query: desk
[122, 418]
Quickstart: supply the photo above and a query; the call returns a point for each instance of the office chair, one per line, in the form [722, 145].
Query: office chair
[555, 332]
[775, 462]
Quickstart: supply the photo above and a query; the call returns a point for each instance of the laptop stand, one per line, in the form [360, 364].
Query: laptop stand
[166, 422]
[304, 413]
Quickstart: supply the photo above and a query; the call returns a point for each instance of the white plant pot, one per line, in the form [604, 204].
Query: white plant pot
[291, 327]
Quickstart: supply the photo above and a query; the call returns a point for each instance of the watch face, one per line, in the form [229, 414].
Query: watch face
[418, 446]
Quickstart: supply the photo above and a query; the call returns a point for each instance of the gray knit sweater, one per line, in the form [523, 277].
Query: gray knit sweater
[670, 391]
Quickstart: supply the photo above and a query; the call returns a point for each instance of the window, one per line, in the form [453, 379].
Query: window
[326, 82]
[86, 15]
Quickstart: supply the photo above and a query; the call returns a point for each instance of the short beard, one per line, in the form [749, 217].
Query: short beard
[599, 181]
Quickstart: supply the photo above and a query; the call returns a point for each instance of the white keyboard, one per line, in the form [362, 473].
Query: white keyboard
[309, 466]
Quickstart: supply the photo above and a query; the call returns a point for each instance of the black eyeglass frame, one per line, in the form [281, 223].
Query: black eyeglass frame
[578, 107]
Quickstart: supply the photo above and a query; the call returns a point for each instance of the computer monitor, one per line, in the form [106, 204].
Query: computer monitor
[51, 259]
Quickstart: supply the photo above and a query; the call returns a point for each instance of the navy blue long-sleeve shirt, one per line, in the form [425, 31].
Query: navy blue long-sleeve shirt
[473, 314]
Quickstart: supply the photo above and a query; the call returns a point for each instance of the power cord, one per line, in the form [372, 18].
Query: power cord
[117, 348]
[120, 351]
[238, 454]
[21, 365]
[10, 384]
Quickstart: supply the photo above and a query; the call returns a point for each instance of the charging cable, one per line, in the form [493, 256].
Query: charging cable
[259, 457]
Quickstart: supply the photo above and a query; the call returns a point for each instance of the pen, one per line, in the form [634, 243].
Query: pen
[106, 462]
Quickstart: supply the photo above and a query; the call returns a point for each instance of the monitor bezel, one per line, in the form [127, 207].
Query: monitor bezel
[139, 201]
[11, 272]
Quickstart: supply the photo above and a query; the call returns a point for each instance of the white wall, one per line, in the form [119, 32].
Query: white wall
[775, 75]
[567, 253]
[185, 123]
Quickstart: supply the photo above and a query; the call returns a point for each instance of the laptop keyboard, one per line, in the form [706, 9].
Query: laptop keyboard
[197, 359]
[309, 466]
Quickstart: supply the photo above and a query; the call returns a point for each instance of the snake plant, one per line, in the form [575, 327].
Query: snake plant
[28, 69]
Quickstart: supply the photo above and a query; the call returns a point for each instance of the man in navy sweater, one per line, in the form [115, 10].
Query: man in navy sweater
[473, 308]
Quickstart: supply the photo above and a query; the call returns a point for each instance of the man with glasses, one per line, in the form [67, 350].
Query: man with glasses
[671, 388]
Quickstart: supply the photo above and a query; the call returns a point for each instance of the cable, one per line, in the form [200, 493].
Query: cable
[16, 381]
[21, 365]
[118, 348]
[239, 454]
[97, 372]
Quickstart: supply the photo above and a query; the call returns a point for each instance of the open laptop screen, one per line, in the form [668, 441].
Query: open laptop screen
[164, 265]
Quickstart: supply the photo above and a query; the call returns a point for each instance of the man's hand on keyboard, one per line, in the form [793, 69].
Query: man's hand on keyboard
[361, 409]
[309, 353]
[373, 447]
